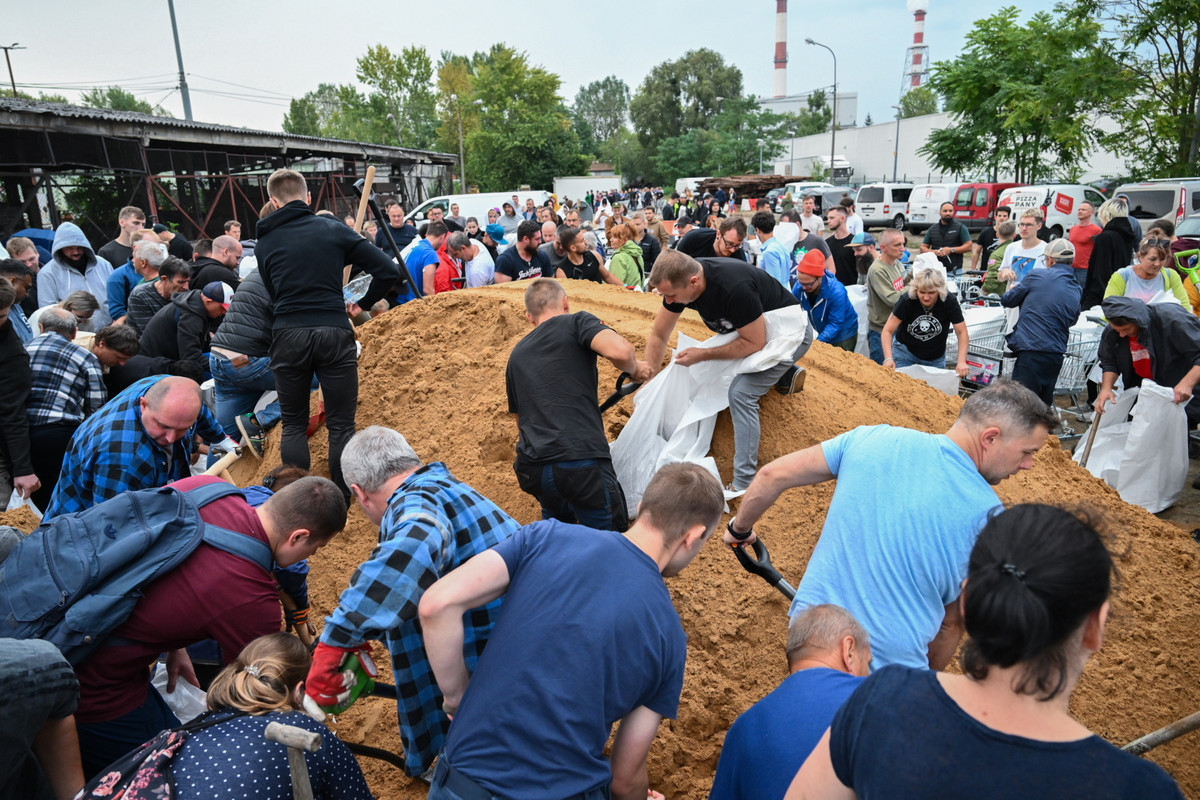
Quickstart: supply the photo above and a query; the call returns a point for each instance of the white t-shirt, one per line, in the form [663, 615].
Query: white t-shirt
[481, 270]
[1022, 261]
[814, 224]
[855, 224]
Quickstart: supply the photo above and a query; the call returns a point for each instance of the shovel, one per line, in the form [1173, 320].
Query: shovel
[298, 741]
[1087, 447]
[624, 389]
[1164, 734]
[219, 467]
[761, 566]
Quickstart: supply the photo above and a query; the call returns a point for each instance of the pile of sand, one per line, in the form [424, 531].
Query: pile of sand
[435, 372]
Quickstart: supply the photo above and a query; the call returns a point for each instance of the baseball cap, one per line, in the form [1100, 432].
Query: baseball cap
[159, 228]
[813, 263]
[1060, 250]
[862, 239]
[496, 231]
[683, 219]
[219, 292]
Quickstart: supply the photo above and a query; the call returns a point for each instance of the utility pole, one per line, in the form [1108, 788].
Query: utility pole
[11, 79]
[833, 120]
[183, 87]
[896, 151]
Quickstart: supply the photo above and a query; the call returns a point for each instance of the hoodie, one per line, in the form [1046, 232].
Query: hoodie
[182, 330]
[302, 257]
[1112, 249]
[1169, 332]
[626, 264]
[58, 279]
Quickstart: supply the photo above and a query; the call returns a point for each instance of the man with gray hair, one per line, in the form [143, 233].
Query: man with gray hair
[67, 386]
[829, 655]
[897, 560]
[478, 265]
[429, 523]
[147, 298]
[148, 253]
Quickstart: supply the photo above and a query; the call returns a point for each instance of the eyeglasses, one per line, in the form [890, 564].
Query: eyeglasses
[1163, 243]
[1026, 224]
[734, 245]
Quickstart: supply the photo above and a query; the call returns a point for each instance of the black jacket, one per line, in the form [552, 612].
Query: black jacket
[1168, 331]
[14, 399]
[182, 330]
[1112, 250]
[206, 270]
[302, 257]
[247, 325]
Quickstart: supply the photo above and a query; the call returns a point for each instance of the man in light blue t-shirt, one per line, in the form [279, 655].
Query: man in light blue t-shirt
[904, 516]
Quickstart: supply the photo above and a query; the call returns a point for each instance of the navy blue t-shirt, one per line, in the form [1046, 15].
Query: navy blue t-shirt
[516, 268]
[766, 745]
[901, 736]
[587, 634]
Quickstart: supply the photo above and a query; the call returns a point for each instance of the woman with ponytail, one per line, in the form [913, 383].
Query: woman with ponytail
[232, 759]
[1035, 603]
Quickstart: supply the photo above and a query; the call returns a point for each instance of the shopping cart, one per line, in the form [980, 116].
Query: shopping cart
[1083, 351]
[985, 353]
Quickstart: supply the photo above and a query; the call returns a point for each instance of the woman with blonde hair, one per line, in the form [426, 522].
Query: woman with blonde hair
[626, 263]
[1112, 249]
[1146, 280]
[921, 321]
[232, 759]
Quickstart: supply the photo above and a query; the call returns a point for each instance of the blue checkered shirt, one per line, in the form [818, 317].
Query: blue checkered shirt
[111, 453]
[68, 383]
[433, 523]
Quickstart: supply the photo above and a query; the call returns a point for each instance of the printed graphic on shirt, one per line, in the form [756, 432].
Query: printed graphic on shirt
[898, 284]
[1022, 266]
[925, 327]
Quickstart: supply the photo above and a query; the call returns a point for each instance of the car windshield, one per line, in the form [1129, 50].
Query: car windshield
[870, 194]
[1151, 203]
[1189, 228]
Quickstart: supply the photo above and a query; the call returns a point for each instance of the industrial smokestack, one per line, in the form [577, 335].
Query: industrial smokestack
[916, 67]
[780, 48]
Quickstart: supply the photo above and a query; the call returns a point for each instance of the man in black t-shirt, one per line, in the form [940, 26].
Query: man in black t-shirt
[725, 241]
[948, 240]
[729, 296]
[845, 263]
[563, 458]
[987, 238]
[523, 260]
[402, 231]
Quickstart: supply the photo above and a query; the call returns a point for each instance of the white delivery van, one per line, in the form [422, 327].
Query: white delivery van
[1164, 198]
[1058, 202]
[884, 205]
[576, 187]
[924, 202]
[476, 205]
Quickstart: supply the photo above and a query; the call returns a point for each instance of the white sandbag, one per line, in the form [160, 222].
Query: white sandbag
[187, 702]
[675, 413]
[1108, 448]
[858, 299]
[15, 501]
[944, 380]
[1155, 467]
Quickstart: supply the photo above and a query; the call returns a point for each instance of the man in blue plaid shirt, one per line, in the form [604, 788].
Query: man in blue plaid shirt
[429, 523]
[143, 439]
[68, 385]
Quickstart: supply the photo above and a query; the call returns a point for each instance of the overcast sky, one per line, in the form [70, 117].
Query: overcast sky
[273, 50]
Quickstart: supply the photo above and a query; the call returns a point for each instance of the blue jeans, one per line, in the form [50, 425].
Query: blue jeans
[238, 388]
[875, 346]
[102, 743]
[904, 357]
[1080, 277]
[1038, 371]
[584, 491]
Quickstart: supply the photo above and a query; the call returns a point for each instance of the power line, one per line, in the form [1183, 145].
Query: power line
[243, 86]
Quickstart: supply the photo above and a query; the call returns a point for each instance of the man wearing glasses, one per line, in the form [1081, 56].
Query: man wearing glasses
[724, 242]
[1028, 252]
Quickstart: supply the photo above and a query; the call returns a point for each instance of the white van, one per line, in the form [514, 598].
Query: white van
[1169, 198]
[884, 205]
[924, 202]
[475, 205]
[1058, 202]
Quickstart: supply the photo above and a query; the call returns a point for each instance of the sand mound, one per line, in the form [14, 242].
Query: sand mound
[435, 371]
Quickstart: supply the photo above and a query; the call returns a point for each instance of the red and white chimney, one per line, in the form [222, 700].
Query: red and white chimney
[918, 46]
[781, 48]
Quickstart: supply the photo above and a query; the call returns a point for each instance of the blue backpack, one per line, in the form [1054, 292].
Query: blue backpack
[78, 577]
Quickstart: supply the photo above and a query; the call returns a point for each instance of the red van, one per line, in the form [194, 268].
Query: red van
[975, 203]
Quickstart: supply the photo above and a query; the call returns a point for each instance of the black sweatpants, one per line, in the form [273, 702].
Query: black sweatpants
[47, 448]
[297, 354]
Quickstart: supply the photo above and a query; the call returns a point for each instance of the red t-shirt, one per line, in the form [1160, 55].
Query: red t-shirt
[1141, 359]
[211, 595]
[1080, 238]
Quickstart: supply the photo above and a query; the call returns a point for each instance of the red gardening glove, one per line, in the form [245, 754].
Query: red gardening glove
[330, 679]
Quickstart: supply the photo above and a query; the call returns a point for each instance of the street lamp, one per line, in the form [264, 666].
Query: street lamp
[896, 151]
[462, 161]
[833, 120]
[13, 46]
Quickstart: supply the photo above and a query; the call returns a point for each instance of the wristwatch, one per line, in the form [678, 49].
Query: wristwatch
[741, 537]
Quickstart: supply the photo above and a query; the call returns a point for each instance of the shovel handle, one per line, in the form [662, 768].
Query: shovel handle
[1087, 447]
[760, 564]
[223, 463]
[624, 389]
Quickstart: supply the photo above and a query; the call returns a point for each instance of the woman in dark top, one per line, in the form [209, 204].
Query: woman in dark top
[921, 321]
[1035, 604]
[232, 759]
[1112, 249]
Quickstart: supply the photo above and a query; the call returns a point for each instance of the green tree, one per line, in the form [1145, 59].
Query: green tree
[918, 102]
[525, 134]
[340, 111]
[114, 98]
[455, 96]
[603, 106]
[403, 85]
[628, 157]
[1025, 98]
[739, 128]
[814, 119]
[680, 95]
[1154, 46]
[684, 155]
[42, 97]
[302, 118]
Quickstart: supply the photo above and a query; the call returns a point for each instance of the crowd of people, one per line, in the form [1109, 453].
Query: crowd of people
[501, 636]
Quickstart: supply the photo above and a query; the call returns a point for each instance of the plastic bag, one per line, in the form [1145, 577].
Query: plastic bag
[944, 380]
[357, 288]
[1145, 459]
[858, 300]
[15, 501]
[187, 702]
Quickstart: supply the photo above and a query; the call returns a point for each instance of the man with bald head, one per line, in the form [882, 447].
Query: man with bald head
[143, 438]
[221, 265]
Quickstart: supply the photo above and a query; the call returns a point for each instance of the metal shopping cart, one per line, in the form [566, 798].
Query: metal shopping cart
[985, 352]
[1083, 351]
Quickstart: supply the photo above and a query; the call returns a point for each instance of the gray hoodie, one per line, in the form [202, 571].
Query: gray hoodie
[56, 280]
